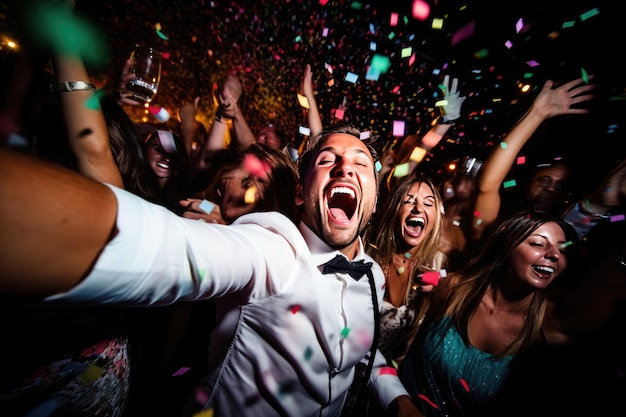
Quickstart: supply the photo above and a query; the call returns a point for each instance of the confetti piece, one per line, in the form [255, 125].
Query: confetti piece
[591, 13]
[93, 102]
[418, 154]
[204, 413]
[381, 63]
[92, 373]
[303, 101]
[565, 244]
[256, 166]
[308, 353]
[351, 77]
[425, 398]
[206, 206]
[398, 128]
[167, 141]
[345, 332]
[387, 370]
[59, 29]
[584, 75]
[160, 113]
[250, 195]
[401, 170]
[465, 385]
[618, 218]
[420, 10]
[393, 20]
[437, 23]
[401, 270]
[181, 371]
[509, 184]
[295, 309]
[463, 33]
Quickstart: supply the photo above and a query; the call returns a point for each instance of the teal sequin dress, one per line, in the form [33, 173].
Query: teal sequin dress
[445, 377]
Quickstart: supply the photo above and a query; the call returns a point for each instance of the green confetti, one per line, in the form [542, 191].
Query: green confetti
[93, 102]
[509, 184]
[566, 244]
[308, 353]
[345, 332]
[584, 75]
[591, 13]
[401, 170]
[162, 35]
[55, 27]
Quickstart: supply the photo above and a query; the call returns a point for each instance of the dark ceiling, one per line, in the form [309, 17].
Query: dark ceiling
[269, 42]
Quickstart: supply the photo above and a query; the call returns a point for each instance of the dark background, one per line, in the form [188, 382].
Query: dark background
[268, 43]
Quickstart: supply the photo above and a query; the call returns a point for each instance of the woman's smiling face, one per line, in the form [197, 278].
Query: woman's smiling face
[541, 258]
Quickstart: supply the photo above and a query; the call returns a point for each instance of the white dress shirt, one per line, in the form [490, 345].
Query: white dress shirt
[287, 336]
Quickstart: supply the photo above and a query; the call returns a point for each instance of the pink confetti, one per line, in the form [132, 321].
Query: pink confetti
[463, 33]
[393, 21]
[181, 371]
[387, 370]
[425, 398]
[420, 10]
[465, 385]
[255, 166]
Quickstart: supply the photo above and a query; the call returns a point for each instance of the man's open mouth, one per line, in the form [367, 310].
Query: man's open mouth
[342, 203]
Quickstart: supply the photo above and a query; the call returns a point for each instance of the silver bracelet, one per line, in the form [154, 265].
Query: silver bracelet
[69, 86]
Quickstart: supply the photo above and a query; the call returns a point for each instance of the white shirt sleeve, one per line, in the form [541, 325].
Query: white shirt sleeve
[158, 257]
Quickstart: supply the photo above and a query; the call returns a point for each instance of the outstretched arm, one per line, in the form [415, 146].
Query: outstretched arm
[55, 222]
[549, 103]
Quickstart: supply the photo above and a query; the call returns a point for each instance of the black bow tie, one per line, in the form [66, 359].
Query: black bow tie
[340, 264]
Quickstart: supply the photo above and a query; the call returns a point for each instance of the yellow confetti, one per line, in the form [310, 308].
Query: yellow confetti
[204, 413]
[92, 373]
[250, 195]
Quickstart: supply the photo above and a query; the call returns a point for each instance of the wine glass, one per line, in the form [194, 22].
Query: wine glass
[146, 68]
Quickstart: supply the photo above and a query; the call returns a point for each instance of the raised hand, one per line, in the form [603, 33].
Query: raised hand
[451, 111]
[557, 101]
